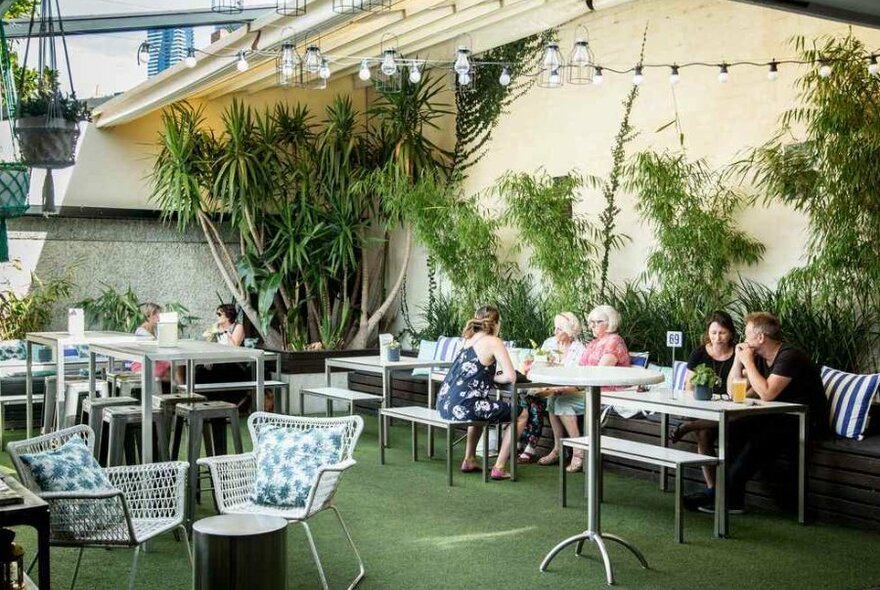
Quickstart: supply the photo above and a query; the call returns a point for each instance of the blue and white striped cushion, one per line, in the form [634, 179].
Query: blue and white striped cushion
[679, 373]
[448, 347]
[850, 397]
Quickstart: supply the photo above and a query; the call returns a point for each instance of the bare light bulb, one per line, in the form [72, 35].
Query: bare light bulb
[674, 78]
[190, 60]
[415, 74]
[242, 64]
[553, 79]
[824, 70]
[874, 67]
[773, 72]
[364, 72]
[723, 74]
[598, 78]
[389, 64]
[638, 78]
[324, 70]
[462, 64]
[504, 79]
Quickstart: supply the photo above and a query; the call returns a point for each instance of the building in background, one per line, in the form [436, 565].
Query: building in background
[167, 47]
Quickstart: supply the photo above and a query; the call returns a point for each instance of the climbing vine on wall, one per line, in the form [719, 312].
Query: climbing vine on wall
[480, 108]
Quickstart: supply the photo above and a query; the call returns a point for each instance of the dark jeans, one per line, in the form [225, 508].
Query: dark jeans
[754, 442]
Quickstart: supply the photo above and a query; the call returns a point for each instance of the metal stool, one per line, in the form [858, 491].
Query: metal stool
[124, 382]
[167, 402]
[74, 394]
[93, 415]
[194, 416]
[119, 418]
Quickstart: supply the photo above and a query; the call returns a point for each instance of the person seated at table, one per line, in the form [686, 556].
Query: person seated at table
[567, 351]
[147, 329]
[227, 331]
[716, 352]
[775, 372]
[466, 392]
[606, 349]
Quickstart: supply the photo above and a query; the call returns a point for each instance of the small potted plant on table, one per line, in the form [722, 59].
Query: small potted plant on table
[704, 380]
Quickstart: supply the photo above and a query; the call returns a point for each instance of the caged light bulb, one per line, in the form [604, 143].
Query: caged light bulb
[554, 78]
[242, 64]
[551, 57]
[364, 72]
[504, 79]
[313, 59]
[581, 56]
[462, 64]
[464, 79]
[415, 74]
[389, 64]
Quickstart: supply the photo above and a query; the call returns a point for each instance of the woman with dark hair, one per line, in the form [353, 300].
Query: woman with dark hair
[229, 332]
[466, 390]
[717, 351]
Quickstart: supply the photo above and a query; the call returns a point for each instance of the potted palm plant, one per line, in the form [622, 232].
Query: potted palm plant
[704, 380]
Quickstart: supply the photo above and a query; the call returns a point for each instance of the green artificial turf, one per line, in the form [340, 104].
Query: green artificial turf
[415, 532]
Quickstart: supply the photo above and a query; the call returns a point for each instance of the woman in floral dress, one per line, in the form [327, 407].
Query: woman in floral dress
[466, 393]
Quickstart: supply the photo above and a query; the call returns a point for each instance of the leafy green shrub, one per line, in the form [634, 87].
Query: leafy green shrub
[20, 314]
[525, 311]
[121, 311]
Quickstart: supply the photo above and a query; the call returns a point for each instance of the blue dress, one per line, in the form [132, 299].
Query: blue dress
[465, 393]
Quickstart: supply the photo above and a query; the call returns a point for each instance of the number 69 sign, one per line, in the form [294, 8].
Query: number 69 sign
[674, 339]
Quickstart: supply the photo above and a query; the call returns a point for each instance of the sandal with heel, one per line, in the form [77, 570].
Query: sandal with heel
[577, 464]
[551, 458]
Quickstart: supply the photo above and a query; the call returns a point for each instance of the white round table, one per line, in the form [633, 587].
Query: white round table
[594, 378]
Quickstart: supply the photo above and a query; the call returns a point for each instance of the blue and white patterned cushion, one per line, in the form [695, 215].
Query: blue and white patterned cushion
[69, 468]
[12, 350]
[288, 461]
[849, 397]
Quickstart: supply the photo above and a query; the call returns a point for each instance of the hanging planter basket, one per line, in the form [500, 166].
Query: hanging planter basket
[15, 183]
[47, 142]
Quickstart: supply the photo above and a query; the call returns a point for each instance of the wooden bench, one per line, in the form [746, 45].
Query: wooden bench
[236, 385]
[418, 415]
[644, 453]
[332, 394]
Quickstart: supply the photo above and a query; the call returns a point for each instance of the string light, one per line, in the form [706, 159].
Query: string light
[504, 79]
[597, 77]
[723, 75]
[415, 74]
[324, 70]
[389, 64]
[364, 72]
[242, 64]
[313, 59]
[638, 78]
[462, 64]
[874, 67]
[673, 76]
[824, 69]
[773, 73]
[190, 60]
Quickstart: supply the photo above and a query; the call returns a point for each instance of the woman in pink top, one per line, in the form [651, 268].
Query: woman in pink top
[606, 349]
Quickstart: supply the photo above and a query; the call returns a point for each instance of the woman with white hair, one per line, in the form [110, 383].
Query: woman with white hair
[567, 349]
[606, 349]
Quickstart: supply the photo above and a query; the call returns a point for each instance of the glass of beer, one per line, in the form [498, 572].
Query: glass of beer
[738, 390]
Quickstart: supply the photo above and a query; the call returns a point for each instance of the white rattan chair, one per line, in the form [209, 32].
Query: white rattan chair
[147, 500]
[233, 479]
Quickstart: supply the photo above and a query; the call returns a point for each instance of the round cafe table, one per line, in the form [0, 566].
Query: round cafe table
[594, 378]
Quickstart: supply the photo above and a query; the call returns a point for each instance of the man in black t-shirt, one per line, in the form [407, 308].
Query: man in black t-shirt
[775, 372]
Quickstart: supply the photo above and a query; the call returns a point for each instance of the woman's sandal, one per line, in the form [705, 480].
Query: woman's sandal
[577, 464]
[551, 458]
[469, 466]
[498, 474]
[525, 457]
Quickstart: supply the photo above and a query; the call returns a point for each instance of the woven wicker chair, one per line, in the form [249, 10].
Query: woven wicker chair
[148, 500]
[233, 479]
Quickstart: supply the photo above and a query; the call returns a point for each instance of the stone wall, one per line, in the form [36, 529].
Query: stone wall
[159, 263]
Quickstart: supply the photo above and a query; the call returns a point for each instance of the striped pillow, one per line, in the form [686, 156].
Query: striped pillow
[850, 397]
[448, 347]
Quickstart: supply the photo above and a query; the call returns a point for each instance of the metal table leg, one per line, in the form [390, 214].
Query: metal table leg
[29, 388]
[511, 430]
[721, 479]
[664, 442]
[147, 411]
[802, 467]
[593, 533]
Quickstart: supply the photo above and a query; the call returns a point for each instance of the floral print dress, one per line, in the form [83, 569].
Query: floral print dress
[465, 393]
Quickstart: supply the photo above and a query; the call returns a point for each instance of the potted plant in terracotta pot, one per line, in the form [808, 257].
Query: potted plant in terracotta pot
[47, 125]
[704, 380]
